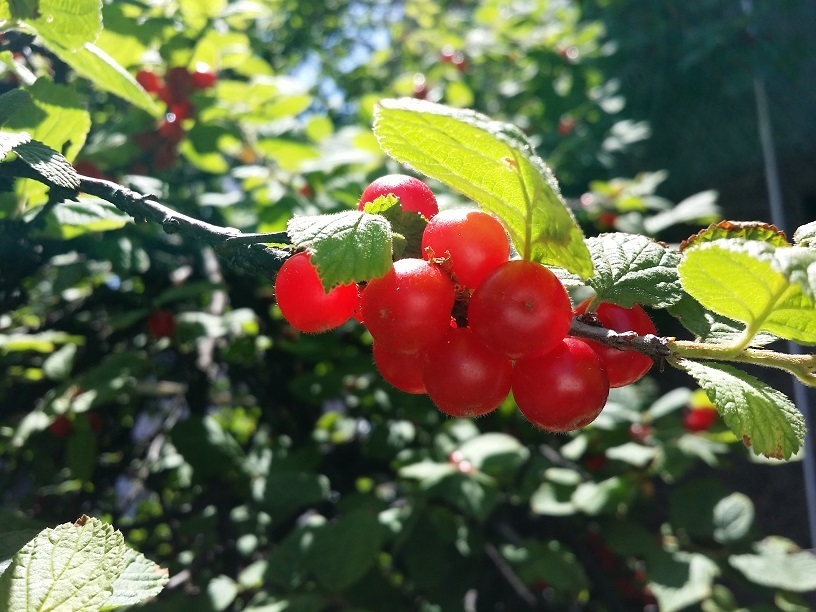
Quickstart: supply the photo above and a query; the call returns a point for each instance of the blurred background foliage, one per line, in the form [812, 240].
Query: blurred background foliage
[147, 382]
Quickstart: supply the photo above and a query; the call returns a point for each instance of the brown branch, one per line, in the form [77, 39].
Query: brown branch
[240, 250]
[654, 346]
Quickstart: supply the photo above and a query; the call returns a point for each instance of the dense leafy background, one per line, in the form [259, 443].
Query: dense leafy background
[272, 470]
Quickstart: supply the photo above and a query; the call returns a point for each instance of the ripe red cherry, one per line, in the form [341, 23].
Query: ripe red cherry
[178, 85]
[149, 80]
[62, 427]
[623, 367]
[476, 241]
[563, 390]
[203, 77]
[403, 371]
[463, 377]
[303, 301]
[170, 129]
[409, 308]
[699, 419]
[161, 324]
[414, 195]
[520, 309]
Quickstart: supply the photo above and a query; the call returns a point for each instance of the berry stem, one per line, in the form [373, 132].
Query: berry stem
[654, 346]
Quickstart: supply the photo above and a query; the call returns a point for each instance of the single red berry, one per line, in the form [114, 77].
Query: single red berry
[94, 421]
[304, 302]
[566, 125]
[62, 427]
[607, 219]
[149, 80]
[178, 85]
[165, 156]
[562, 390]
[460, 61]
[446, 54]
[203, 77]
[170, 129]
[414, 195]
[463, 377]
[640, 433]
[161, 324]
[181, 110]
[403, 371]
[520, 309]
[595, 463]
[623, 367]
[409, 308]
[476, 242]
[699, 419]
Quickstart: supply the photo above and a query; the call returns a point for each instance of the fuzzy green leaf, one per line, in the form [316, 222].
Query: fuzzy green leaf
[409, 225]
[10, 141]
[345, 247]
[140, 580]
[69, 23]
[778, 566]
[88, 215]
[493, 164]
[805, 235]
[738, 230]
[633, 269]
[755, 283]
[10, 102]
[710, 327]
[71, 567]
[94, 64]
[759, 415]
[48, 163]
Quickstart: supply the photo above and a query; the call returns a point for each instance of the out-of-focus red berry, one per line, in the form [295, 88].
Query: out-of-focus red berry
[170, 129]
[94, 421]
[203, 77]
[165, 156]
[149, 80]
[88, 168]
[699, 419]
[181, 110]
[161, 324]
[178, 85]
[146, 141]
[62, 427]
[595, 463]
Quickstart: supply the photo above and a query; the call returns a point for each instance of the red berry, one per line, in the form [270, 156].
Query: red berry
[88, 168]
[607, 219]
[146, 141]
[149, 80]
[414, 195]
[520, 309]
[62, 427]
[640, 432]
[699, 419]
[564, 389]
[165, 156]
[161, 324]
[409, 308]
[476, 242]
[403, 371]
[181, 110]
[303, 301]
[203, 77]
[178, 85]
[565, 125]
[595, 463]
[170, 129]
[623, 367]
[463, 377]
[94, 421]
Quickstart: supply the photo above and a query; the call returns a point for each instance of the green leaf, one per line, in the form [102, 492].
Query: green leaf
[10, 102]
[601, 497]
[733, 518]
[346, 247]
[804, 236]
[738, 230]
[222, 591]
[409, 225]
[711, 327]
[752, 282]
[140, 580]
[759, 415]
[11, 542]
[103, 71]
[88, 215]
[534, 560]
[10, 141]
[774, 566]
[553, 499]
[493, 164]
[285, 492]
[680, 579]
[71, 567]
[207, 447]
[632, 453]
[345, 550]
[44, 342]
[496, 454]
[48, 163]
[67, 22]
[633, 269]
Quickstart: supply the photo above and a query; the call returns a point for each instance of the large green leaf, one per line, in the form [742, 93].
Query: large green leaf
[69, 23]
[88, 215]
[77, 567]
[48, 163]
[11, 140]
[765, 287]
[493, 164]
[777, 564]
[632, 269]
[759, 415]
[11, 101]
[94, 64]
[348, 246]
[345, 550]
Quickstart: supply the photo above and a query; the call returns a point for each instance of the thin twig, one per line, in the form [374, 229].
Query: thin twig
[655, 347]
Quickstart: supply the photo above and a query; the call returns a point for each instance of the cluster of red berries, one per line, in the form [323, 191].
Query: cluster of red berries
[174, 89]
[467, 324]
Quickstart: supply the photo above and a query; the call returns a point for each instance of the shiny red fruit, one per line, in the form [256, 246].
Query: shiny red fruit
[149, 80]
[414, 195]
[476, 242]
[623, 367]
[304, 302]
[563, 390]
[409, 308]
[403, 371]
[203, 77]
[463, 377]
[161, 324]
[170, 129]
[520, 309]
[699, 419]
[178, 85]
